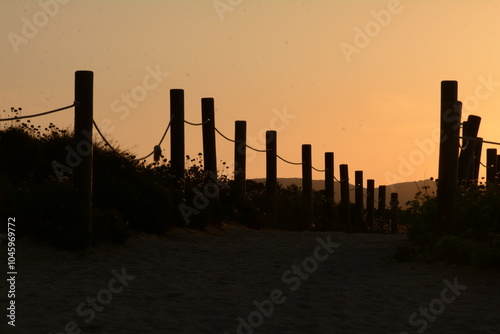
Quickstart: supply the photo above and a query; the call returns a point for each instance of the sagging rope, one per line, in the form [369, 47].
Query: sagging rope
[103, 138]
[319, 170]
[36, 115]
[197, 124]
[288, 162]
[233, 141]
[256, 150]
[156, 149]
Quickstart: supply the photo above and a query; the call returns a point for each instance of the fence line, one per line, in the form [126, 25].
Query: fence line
[263, 151]
[84, 123]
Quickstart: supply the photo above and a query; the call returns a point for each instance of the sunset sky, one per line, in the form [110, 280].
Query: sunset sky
[360, 78]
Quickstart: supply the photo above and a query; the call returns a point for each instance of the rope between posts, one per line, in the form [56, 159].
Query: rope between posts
[36, 115]
[197, 124]
[103, 138]
[137, 159]
[256, 150]
[289, 162]
[262, 151]
[233, 141]
[318, 170]
[161, 140]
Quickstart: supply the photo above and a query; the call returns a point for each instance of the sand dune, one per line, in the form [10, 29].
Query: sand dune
[235, 280]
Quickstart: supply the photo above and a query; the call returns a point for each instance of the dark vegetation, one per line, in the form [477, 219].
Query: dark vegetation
[476, 238]
[132, 196]
[36, 187]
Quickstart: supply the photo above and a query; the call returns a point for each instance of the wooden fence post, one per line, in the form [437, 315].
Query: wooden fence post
[307, 184]
[240, 160]
[329, 190]
[358, 200]
[394, 212]
[370, 202]
[451, 110]
[466, 159]
[177, 133]
[208, 128]
[329, 176]
[345, 205]
[271, 164]
[382, 190]
[271, 174]
[491, 166]
[84, 109]
[477, 159]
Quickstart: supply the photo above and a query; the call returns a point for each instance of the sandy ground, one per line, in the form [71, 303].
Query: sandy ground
[240, 281]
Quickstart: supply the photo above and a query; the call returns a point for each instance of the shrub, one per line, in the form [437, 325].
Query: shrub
[475, 239]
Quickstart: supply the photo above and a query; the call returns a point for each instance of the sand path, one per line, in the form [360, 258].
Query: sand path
[189, 282]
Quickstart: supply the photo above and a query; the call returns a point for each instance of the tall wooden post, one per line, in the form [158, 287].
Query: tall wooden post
[271, 175]
[240, 159]
[464, 141]
[451, 110]
[345, 210]
[477, 159]
[358, 199]
[329, 190]
[271, 164]
[394, 212]
[84, 109]
[307, 184]
[177, 133]
[208, 128]
[329, 176]
[370, 202]
[382, 190]
[491, 166]
[466, 159]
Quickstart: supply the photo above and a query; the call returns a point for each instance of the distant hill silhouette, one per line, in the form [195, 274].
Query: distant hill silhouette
[406, 190]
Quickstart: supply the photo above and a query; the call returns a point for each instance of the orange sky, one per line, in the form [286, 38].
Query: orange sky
[358, 78]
